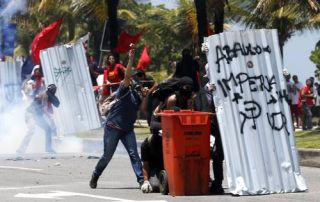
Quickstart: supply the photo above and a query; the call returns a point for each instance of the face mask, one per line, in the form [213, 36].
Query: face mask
[37, 74]
[186, 92]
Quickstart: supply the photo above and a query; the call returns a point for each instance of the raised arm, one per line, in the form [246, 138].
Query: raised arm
[128, 70]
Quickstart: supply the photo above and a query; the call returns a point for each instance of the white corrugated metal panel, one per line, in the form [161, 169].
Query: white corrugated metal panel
[10, 83]
[67, 68]
[254, 118]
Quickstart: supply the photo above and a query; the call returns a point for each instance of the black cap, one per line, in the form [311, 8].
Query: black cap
[186, 81]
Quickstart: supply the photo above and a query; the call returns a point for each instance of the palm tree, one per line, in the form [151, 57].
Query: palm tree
[40, 14]
[96, 12]
[201, 19]
[217, 7]
[288, 16]
[113, 22]
[185, 22]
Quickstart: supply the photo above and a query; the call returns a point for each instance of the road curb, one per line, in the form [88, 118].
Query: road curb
[309, 157]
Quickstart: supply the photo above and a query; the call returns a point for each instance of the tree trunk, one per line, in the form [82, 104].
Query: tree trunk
[113, 22]
[71, 29]
[219, 16]
[202, 20]
[96, 36]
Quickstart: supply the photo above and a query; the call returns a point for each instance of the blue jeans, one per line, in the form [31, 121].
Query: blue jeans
[110, 140]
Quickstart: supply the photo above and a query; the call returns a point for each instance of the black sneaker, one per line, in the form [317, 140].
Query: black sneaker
[93, 182]
[216, 189]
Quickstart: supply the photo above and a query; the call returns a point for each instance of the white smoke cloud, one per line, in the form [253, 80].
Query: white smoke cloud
[12, 128]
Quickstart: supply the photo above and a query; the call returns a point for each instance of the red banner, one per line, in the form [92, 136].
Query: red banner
[45, 39]
[144, 60]
[125, 40]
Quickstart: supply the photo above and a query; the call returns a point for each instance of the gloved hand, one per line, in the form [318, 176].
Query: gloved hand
[204, 47]
[146, 187]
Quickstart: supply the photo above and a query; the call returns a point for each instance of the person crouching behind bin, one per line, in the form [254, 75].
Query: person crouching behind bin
[39, 113]
[119, 126]
[151, 147]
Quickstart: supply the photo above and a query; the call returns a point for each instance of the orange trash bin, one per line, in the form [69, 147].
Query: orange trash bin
[186, 151]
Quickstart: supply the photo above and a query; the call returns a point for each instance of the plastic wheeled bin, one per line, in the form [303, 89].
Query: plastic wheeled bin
[186, 151]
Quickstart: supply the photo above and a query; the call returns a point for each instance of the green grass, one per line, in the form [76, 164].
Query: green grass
[96, 133]
[304, 139]
[308, 139]
[141, 133]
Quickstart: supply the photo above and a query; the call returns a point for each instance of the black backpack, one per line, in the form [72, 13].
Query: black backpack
[166, 88]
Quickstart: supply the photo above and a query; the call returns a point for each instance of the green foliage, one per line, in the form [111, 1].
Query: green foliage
[287, 16]
[315, 57]
[166, 32]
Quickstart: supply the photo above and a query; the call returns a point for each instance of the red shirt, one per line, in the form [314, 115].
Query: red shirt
[112, 75]
[306, 90]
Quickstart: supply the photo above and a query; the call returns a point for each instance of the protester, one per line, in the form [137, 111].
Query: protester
[312, 83]
[287, 76]
[217, 154]
[187, 66]
[39, 113]
[295, 108]
[119, 126]
[151, 148]
[307, 102]
[142, 80]
[113, 73]
[216, 149]
[38, 81]
[317, 102]
[94, 70]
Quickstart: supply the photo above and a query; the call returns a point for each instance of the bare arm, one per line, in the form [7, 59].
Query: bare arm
[144, 101]
[305, 94]
[145, 170]
[128, 71]
[171, 101]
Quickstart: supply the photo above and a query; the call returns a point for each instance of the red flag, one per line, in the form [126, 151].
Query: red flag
[144, 60]
[45, 39]
[125, 40]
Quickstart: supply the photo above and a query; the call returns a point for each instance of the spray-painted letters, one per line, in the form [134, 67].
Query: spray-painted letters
[226, 53]
[244, 89]
[61, 72]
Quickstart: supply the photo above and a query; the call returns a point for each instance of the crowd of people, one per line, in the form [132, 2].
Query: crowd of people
[125, 93]
[304, 101]
[137, 92]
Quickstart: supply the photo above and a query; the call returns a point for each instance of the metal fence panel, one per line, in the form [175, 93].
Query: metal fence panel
[254, 117]
[10, 83]
[67, 68]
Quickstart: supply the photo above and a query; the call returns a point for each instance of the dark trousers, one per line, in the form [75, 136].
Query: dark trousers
[217, 153]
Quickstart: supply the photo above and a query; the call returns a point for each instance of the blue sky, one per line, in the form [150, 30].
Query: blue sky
[296, 51]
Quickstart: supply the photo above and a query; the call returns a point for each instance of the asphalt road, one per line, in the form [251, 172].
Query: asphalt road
[65, 177]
